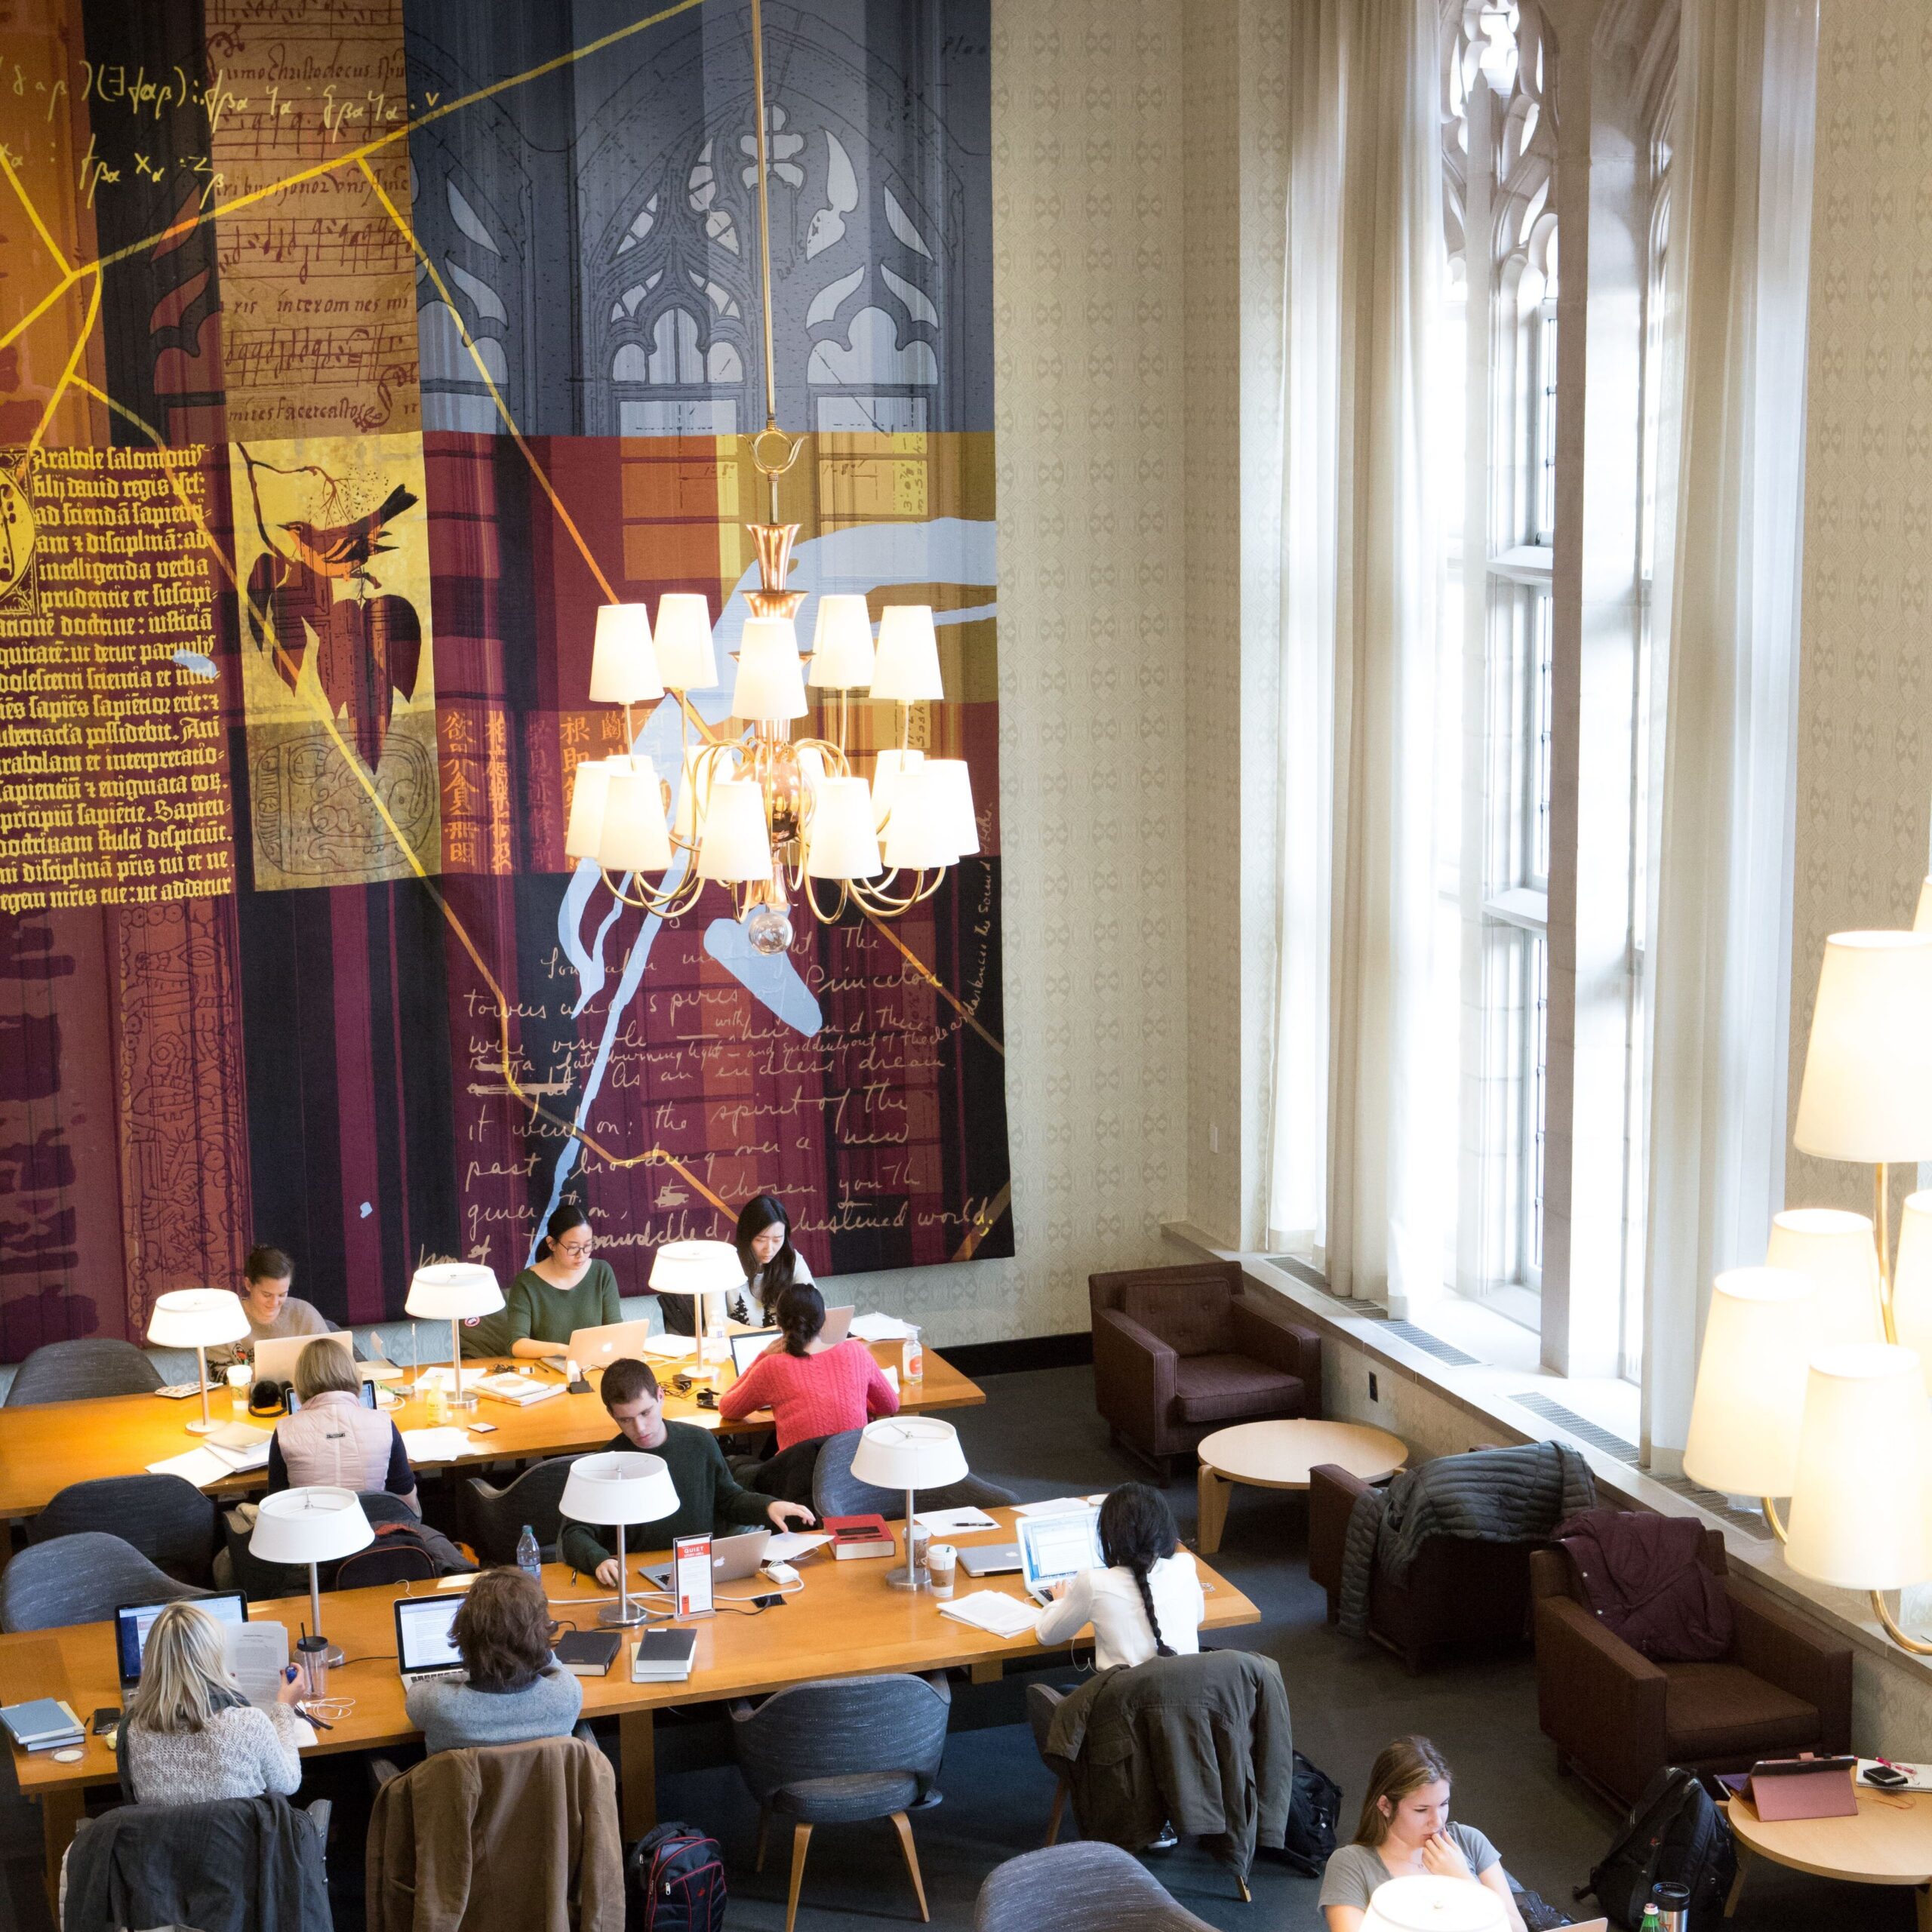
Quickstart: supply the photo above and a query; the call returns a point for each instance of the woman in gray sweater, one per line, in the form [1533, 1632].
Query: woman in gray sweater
[513, 1691]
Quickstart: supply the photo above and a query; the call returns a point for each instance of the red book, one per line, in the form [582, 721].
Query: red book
[859, 1536]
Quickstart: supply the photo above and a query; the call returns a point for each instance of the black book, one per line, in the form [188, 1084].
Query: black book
[588, 1653]
[663, 1655]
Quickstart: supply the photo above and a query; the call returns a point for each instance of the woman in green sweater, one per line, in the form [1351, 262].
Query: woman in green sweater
[562, 1290]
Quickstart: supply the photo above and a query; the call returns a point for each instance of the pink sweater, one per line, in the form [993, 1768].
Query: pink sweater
[812, 1395]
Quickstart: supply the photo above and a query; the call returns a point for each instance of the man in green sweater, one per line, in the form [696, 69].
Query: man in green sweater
[710, 1498]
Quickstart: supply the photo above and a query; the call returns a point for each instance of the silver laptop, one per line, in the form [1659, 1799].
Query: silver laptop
[990, 1559]
[275, 1361]
[1054, 1548]
[733, 1558]
[424, 1648]
[598, 1348]
[748, 1344]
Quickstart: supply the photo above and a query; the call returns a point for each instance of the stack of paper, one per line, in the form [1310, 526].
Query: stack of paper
[440, 1445]
[992, 1612]
[210, 1463]
[672, 1348]
[955, 1522]
[788, 1546]
[1061, 1505]
[877, 1327]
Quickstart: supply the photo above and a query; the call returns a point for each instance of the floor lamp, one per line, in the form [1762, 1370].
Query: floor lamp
[614, 1489]
[455, 1292]
[312, 1526]
[697, 1268]
[909, 1453]
[200, 1319]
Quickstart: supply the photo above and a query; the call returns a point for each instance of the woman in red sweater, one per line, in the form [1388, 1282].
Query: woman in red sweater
[811, 1390]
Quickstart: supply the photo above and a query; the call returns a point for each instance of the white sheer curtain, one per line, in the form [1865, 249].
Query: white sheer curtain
[1353, 1172]
[1736, 278]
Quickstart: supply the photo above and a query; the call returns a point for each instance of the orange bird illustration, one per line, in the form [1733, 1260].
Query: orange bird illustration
[344, 550]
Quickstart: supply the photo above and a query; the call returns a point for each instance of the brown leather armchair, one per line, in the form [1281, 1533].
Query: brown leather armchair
[1617, 1718]
[1179, 1352]
[1457, 1592]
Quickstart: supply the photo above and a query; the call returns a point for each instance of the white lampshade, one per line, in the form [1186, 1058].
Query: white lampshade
[453, 1291]
[315, 1525]
[685, 659]
[695, 1268]
[634, 838]
[1858, 1508]
[197, 1318]
[908, 1452]
[913, 835]
[840, 843]
[842, 653]
[1835, 1248]
[769, 688]
[907, 667]
[890, 765]
[811, 768]
[1921, 920]
[1912, 1281]
[619, 1487]
[1751, 1377]
[735, 845]
[957, 823]
[588, 784]
[1867, 1095]
[1423, 1902]
[623, 666]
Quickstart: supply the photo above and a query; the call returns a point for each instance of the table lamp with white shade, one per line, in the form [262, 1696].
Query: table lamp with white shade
[1862, 1489]
[909, 1453]
[1839, 1252]
[200, 1319]
[455, 1292]
[613, 1490]
[1423, 1902]
[1751, 1381]
[697, 1268]
[316, 1525]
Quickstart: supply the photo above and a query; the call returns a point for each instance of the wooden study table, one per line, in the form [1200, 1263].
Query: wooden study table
[845, 1621]
[45, 1446]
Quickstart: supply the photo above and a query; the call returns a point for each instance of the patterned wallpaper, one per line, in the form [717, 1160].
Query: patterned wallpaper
[1865, 706]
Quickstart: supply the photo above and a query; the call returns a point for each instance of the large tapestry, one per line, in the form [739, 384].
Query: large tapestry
[352, 353]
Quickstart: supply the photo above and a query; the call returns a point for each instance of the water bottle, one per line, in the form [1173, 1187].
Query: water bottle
[1652, 1923]
[529, 1558]
[913, 1370]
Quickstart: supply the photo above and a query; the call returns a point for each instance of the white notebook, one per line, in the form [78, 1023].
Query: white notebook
[993, 1611]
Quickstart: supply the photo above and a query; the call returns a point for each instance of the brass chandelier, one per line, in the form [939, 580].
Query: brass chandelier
[769, 818]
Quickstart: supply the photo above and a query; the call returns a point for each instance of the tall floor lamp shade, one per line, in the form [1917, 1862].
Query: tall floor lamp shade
[614, 1490]
[908, 1453]
[200, 1319]
[697, 1268]
[454, 1292]
[1838, 1250]
[316, 1525]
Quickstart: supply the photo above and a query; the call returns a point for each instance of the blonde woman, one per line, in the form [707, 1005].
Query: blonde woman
[333, 1439]
[1405, 1829]
[189, 1736]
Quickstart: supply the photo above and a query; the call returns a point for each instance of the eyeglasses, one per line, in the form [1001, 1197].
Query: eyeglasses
[578, 1247]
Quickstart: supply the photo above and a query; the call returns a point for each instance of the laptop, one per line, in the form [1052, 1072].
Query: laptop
[598, 1348]
[748, 1344]
[133, 1621]
[275, 1361]
[1054, 1548]
[733, 1558]
[424, 1648]
[990, 1559]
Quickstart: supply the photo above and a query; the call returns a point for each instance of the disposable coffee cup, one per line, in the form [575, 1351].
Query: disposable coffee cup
[312, 1655]
[942, 1563]
[238, 1388]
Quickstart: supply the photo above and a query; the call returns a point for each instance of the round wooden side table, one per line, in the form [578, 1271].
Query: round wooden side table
[1889, 1843]
[1279, 1455]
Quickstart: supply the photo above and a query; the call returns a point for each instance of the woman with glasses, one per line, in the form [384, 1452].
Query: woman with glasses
[512, 1691]
[562, 1290]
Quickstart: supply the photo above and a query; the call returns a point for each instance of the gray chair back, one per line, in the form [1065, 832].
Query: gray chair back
[858, 1747]
[837, 1492]
[168, 1520]
[1083, 1887]
[494, 1519]
[73, 1371]
[80, 1578]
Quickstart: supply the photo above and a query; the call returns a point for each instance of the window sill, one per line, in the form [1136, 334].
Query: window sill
[1520, 906]
[1532, 564]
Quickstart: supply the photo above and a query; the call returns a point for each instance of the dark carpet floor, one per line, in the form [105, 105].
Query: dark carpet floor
[1039, 1434]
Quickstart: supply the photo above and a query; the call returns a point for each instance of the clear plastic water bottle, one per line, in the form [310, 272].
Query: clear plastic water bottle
[529, 1558]
[912, 1370]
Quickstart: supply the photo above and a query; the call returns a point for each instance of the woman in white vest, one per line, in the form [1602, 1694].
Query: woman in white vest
[332, 1438]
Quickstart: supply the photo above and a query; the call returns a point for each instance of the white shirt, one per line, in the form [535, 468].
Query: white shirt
[1110, 1601]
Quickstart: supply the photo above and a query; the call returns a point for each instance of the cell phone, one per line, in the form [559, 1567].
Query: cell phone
[105, 1719]
[482, 1429]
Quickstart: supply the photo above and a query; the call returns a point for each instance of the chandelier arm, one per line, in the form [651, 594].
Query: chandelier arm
[819, 913]
[1889, 1625]
[648, 901]
[1769, 1504]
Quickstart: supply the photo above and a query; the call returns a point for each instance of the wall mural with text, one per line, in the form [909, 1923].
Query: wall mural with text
[352, 352]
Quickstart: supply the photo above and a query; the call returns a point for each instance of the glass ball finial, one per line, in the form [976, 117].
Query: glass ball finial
[769, 929]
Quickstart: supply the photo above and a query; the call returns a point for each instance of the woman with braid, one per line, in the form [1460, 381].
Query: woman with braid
[1147, 1602]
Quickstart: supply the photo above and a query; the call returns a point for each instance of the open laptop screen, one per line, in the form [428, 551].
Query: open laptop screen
[133, 1621]
[747, 1347]
[1051, 1547]
[423, 1639]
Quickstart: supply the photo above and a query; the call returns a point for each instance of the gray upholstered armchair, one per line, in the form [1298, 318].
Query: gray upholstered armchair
[77, 1371]
[492, 1518]
[1079, 1888]
[80, 1578]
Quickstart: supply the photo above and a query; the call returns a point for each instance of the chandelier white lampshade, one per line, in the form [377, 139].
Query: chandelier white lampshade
[840, 842]
[811, 768]
[1858, 1506]
[1835, 1248]
[1912, 1281]
[1423, 1902]
[633, 838]
[1867, 1094]
[314, 1525]
[957, 823]
[914, 834]
[200, 1319]
[735, 845]
[588, 790]
[891, 766]
[907, 667]
[1751, 1381]
[686, 661]
[623, 665]
[769, 688]
[842, 653]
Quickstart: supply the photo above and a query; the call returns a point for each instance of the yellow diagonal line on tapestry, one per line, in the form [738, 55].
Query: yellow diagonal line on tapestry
[47, 241]
[67, 378]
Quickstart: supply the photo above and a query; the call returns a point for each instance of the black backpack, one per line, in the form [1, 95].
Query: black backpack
[1675, 1833]
[674, 1881]
[1313, 1810]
